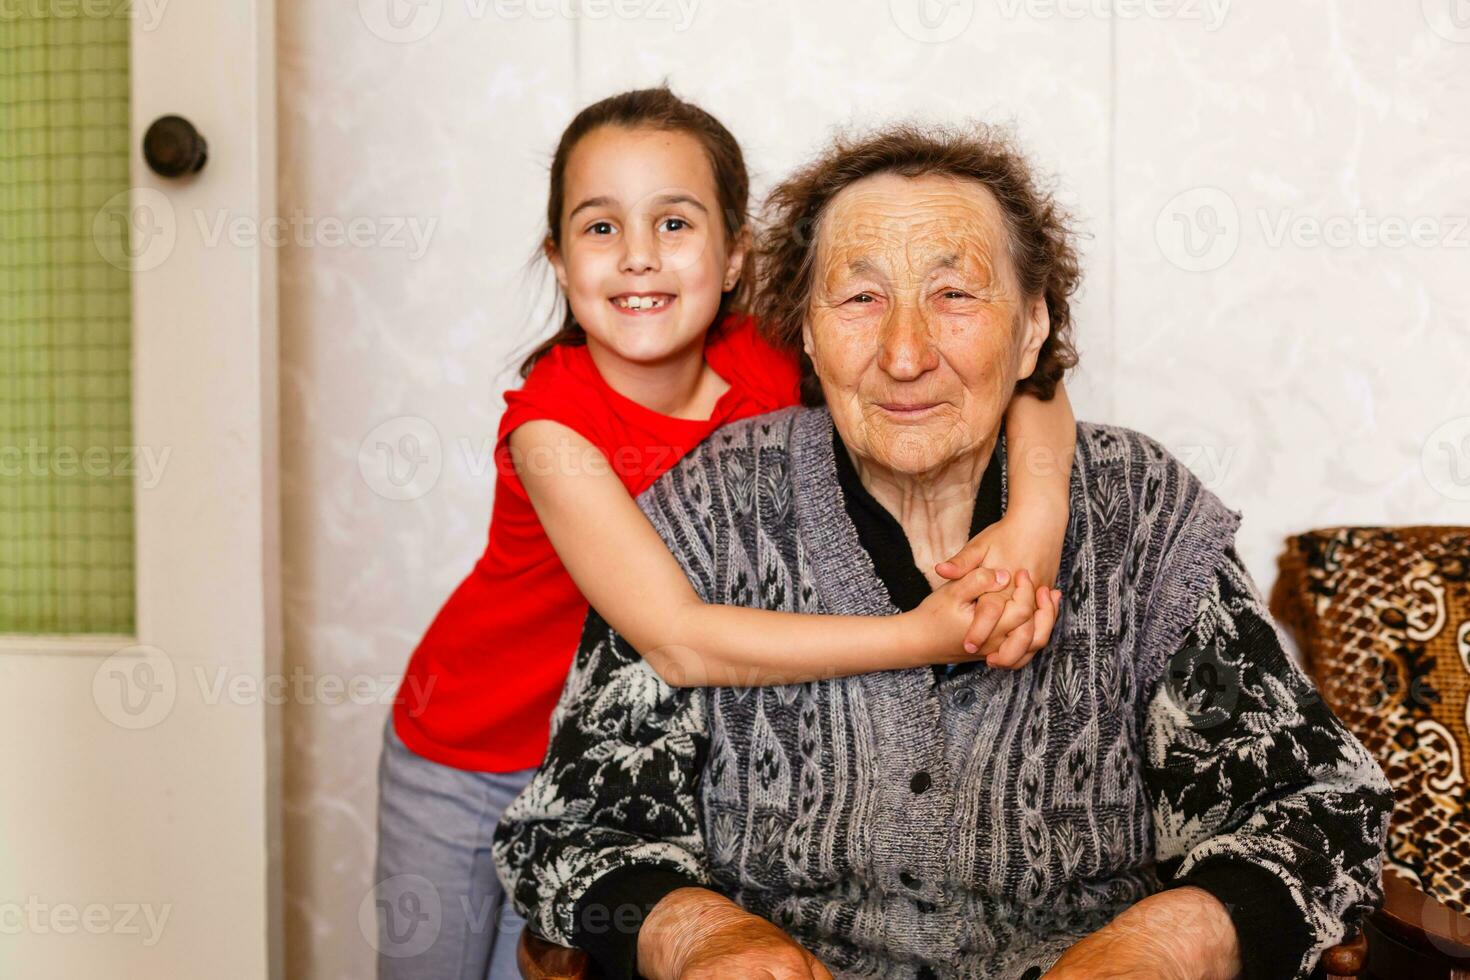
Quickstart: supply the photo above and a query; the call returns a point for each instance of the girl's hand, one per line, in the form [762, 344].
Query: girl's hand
[1026, 537]
[946, 615]
[1030, 540]
[1011, 626]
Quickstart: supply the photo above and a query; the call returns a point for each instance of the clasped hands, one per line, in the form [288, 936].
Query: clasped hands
[1001, 616]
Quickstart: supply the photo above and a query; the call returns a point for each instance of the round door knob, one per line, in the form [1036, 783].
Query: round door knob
[173, 147]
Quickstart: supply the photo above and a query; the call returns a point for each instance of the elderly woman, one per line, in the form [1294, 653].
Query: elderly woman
[1159, 795]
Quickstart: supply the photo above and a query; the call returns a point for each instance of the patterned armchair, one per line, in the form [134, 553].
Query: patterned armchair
[1382, 617]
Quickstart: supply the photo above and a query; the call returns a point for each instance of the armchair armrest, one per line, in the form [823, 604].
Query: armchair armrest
[1346, 960]
[539, 959]
[1413, 917]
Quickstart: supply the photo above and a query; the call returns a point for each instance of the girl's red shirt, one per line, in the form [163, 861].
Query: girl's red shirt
[481, 685]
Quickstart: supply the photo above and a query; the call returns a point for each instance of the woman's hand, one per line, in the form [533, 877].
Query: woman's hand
[1180, 934]
[698, 934]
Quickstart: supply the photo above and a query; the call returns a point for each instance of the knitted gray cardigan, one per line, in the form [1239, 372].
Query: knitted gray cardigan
[1050, 798]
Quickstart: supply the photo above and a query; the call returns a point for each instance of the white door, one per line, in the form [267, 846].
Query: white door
[140, 780]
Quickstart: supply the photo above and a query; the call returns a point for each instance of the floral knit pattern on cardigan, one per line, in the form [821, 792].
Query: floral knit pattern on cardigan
[1053, 797]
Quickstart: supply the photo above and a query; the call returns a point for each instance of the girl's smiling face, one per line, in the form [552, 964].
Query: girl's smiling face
[644, 255]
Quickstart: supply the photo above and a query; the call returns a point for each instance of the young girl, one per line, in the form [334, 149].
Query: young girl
[647, 234]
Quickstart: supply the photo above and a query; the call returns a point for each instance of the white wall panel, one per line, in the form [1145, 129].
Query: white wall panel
[1293, 347]
[432, 129]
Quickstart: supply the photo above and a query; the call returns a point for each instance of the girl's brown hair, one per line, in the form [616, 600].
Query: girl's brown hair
[648, 108]
[1042, 246]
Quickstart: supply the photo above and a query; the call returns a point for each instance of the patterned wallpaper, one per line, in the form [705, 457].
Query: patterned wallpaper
[1277, 198]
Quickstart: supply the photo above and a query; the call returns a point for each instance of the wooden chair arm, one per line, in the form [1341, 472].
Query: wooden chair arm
[539, 959]
[1426, 923]
[1346, 960]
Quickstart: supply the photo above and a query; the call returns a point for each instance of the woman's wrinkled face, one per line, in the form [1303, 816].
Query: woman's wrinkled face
[916, 326]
